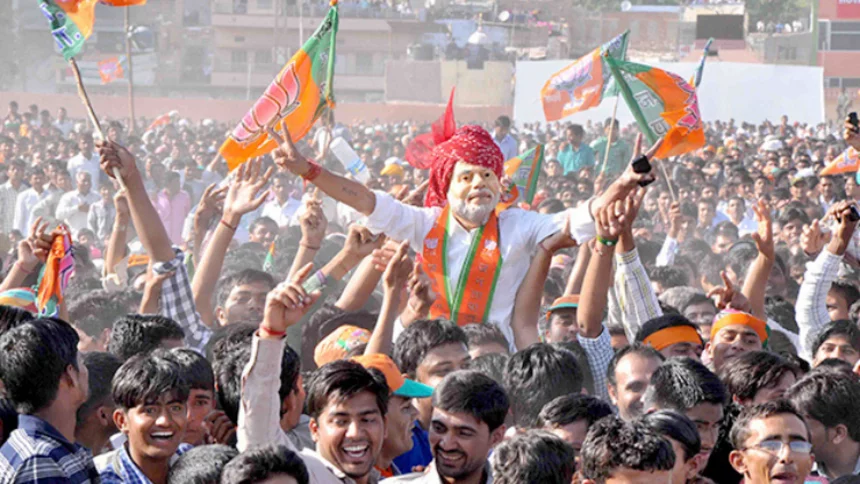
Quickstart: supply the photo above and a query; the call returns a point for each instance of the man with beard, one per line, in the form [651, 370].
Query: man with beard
[469, 411]
[475, 258]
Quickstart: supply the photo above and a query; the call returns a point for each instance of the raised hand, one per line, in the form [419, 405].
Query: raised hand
[841, 212]
[421, 296]
[244, 195]
[676, 220]
[286, 155]
[764, 236]
[559, 240]
[287, 303]
[35, 248]
[399, 268]
[313, 222]
[813, 239]
[383, 255]
[727, 297]
[851, 135]
[629, 180]
[360, 242]
[219, 428]
[115, 158]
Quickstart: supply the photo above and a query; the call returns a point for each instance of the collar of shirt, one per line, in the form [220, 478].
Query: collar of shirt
[131, 474]
[34, 425]
[820, 469]
[373, 478]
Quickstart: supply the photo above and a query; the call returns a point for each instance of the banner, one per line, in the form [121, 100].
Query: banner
[72, 21]
[847, 162]
[663, 104]
[583, 84]
[295, 99]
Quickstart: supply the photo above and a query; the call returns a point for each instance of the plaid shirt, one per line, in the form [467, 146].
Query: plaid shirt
[599, 352]
[36, 452]
[177, 302]
[636, 297]
[811, 306]
[117, 467]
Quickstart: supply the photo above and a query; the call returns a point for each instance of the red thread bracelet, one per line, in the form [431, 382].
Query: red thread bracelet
[314, 171]
[272, 332]
[228, 225]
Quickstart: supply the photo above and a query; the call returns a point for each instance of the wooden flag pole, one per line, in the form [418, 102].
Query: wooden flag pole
[82, 93]
[668, 180]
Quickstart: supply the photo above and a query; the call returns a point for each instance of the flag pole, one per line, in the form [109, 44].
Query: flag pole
[82, 93]
[130, 71]
[668, 180]
[609, 137]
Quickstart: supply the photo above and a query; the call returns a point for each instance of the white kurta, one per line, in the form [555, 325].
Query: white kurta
[520, 232]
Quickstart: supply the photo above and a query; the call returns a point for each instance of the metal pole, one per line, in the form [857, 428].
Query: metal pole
[301, 23]
[248, 82]
[130, 76]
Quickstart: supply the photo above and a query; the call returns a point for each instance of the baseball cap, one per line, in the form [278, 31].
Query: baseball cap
[565, 302]
[400, 386]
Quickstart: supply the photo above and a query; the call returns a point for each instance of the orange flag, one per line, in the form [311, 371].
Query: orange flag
[847, 162]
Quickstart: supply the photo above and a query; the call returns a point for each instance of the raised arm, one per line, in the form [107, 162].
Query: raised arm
[211, 205]
[116, 247]
[598, 277]
[313, 224]
[396, 274]
[577, 275]
[337, 187]
[759, 272]
[31, 251]
[242, 197]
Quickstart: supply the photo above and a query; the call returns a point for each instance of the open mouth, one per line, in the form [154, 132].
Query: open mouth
[784, 477]
[356, 452]
[162, 437]
[450, 458]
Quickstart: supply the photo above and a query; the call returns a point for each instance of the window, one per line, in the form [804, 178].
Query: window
[263, 56]
[264, 4]
[239, 58]
[845, 41]
[363, 63]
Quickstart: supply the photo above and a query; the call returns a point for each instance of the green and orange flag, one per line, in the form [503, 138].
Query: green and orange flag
[663, 104]
[295, 99]
[583, 84]
[524, 171]
[72, 21]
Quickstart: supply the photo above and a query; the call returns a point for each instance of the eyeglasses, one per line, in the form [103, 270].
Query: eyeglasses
[777, 446]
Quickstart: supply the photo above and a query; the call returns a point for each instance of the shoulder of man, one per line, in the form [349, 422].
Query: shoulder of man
[429, 475]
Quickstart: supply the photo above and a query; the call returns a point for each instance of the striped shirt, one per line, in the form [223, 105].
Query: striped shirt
[37, 453]
[117, 467]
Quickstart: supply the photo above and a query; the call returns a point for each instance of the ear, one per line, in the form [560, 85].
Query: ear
[840, 434]
[105, 417]
[709, 348]
[737, 460]
[104, 338]
[221, 316]
[498, 435]
[314, 428]
[120, 419]
[613, 397]
[736, 399]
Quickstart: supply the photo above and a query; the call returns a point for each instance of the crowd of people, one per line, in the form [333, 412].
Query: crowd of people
[285, 323]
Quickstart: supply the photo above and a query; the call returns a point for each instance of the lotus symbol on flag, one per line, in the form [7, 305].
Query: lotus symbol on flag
[431, 243]
[279, 100]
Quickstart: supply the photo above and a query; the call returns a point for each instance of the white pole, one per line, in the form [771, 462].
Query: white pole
[301, 23]
[248, 82]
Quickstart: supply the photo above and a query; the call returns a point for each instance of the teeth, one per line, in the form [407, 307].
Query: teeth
[359, 448]
[162, 435]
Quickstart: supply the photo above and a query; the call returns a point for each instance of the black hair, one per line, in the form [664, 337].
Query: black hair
[582, 358]
[567, 409]
[739, 258]
[534, 456]
[493, 365]
[422, 336]
[575, 128]
[710, 268]
[144, 378]
[781, 311]
[750, 372]
[10, 317]
[535, 376]
[675, 426]
[198, 370]
[669, 276]
[101, 368]
[503, 122]
[842, 327]
[247, 276]
[662, 322]
[231, 354]
[140, 333]
[8, 419]
[95, 311]
[846, 290]
[341, 380]
[640, 349]
[485, 333]
[830, 397]
[847, 479]
[740, 430]
[681, 384]
[475, 394]
[201, 465]
[33, 358]
[260, 463]
[262, 221]
[613, 444]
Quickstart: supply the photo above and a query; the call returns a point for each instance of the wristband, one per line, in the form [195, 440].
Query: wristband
[272, 332]
[306, 246]
[541, 246]
[228, 225]
[314, 171]
[315, 282]
[607, 242]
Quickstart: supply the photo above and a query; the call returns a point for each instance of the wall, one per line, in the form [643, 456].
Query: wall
[431, 81]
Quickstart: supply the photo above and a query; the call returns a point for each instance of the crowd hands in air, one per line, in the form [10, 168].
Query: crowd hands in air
[247, 327]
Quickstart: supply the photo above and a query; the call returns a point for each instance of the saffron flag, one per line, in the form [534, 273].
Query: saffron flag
[163, 120]
[269, 263]
[72, 21]
[700, 69]
[418, 151]
[524, 170]
[55, 276]
[583, 84]
[295, 99]
[663, 104]
[847, 162]
[112, 69]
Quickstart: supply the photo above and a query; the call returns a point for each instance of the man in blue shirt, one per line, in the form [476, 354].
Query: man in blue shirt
[502, 137]
[575, 155]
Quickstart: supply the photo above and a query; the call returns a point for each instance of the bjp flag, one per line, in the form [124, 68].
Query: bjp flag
[583, 84]
[663, 104]
[295, 99]
[56, 274]
[111, 69]
[847, 162]
[72, 21]
[523, 170]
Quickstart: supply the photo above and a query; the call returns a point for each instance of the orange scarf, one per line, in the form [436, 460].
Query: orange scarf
[472, 297]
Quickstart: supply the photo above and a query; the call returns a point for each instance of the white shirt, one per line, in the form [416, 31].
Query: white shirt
[520, 232]
[79, 163]
[65, 126]
[508, 145]
[68, 212]
[26, 200]
[747, 226]
[281, 214]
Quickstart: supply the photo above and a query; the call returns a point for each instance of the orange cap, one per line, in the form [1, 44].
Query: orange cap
[397, 384]
[339, 343]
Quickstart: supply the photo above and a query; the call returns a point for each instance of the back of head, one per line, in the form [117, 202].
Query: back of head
[567, 409]
[474, 394]
[261, 463]
[682, 383]
[484, 334]
[134, 334]
[829, 397]
[197, 369]
[144, 378]
[535, 376]
[750, 372]
[341, 380]
[582, 359]
[535, 457]
[95, 311]
[493, 365]
[612, 444]
[11, 316]
[677, 427]
[101, 368]
[201, 465]
[741, 429]
[420, 337]
[33, 358]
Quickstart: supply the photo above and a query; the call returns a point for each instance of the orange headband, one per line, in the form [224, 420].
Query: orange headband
[676, 334]
[743, 319]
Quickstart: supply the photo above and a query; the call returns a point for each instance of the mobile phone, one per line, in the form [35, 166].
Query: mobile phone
[853, 215]
[642, 165]
[852, 118]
